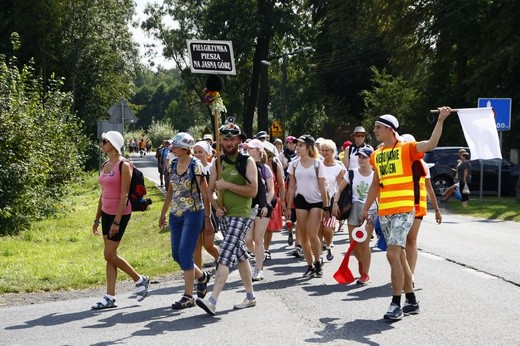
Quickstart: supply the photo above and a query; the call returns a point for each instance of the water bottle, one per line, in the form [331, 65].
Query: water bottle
[254, 211]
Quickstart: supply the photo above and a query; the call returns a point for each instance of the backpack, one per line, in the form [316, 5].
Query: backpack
[261, 192]
[191, 173]
[345, 199]
[137, 190]
[240, 164]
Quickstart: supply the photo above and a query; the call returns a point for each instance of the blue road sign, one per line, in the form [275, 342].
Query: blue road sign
[502, 109]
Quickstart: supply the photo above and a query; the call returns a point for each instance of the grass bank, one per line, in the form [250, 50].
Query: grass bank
[491, 208]
[62, 253]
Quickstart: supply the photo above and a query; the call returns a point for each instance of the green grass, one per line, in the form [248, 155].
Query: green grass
[62, 253]
[491, 208]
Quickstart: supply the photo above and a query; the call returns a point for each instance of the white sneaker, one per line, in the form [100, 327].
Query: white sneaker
[246, 303]
[258, 275]
[206, 305]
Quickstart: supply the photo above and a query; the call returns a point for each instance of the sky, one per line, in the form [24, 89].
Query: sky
[141, 38]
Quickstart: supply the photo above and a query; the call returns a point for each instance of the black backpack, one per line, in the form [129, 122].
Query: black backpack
[240, 164]
[345, 199]
[137, 190]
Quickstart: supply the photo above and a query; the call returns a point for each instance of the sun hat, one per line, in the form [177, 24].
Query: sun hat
[115, 138]
[359, 129]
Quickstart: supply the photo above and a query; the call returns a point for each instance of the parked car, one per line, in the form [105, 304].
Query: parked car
[443, 164]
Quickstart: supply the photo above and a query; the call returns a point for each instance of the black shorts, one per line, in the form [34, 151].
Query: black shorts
[106, 223]
[301, 203]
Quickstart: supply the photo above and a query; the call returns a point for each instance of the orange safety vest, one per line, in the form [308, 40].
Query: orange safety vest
[393, 165]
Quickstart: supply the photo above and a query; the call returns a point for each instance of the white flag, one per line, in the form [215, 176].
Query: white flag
[480, 132]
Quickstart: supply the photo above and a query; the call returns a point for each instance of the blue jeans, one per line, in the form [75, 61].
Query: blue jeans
[184, 234]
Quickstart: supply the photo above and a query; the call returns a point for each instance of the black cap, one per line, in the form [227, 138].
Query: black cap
[307, 139]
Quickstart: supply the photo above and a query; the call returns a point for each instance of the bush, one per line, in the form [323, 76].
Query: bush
[41, 147]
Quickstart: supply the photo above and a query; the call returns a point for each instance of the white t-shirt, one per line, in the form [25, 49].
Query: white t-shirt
[331, 173]
[306, 180]
[360, 186]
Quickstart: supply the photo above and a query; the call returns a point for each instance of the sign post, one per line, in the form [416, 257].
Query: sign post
[214, 57]
[502, 109]
[276, 129]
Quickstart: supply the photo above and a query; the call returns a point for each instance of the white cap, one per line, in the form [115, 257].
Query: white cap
[408, 138]
[270, 146]
[254, 143]
[115, 138]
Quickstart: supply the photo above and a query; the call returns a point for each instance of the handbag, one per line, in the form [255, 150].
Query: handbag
[465, 190]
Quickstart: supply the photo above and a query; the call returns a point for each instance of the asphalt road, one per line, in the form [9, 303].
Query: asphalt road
[467, 283]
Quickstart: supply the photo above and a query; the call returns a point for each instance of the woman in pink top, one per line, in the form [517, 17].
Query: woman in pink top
[114, 211]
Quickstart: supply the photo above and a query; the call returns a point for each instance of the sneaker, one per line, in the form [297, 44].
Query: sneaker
[290, 239]
[206, 305]
[185, 302]
[202, 285]
[142, 289]
[318, 270]
[330, 255]
[209, 264]
[105, 303]
[267, 255]
[363, 280]
[394, 313]
[258, 275]
[298, 252]
[309, 272]
[246, 303]
[411, 309]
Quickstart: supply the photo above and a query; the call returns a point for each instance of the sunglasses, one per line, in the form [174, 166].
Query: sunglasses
[359, 135]
[228, 131]
[105, 141]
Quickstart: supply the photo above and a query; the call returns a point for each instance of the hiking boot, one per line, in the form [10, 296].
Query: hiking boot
[309, 272]
[246, 303]
[202, 285]
[105, 303]
[330, 255]
[206, 305]
[258, 275]
[394, 313]
[290, 239]
[411, 309]
[142, 289]
[185, 302]
[363, 280]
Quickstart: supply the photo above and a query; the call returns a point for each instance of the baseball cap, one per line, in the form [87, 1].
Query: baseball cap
[115, 138]
[183, 140]
[408, 138]
[270, 147]
[290, 139]
[365, 151]
[307, 139]
[261, 134]
[278, 140]
[254, 143]
[346, 144]
[208, 136]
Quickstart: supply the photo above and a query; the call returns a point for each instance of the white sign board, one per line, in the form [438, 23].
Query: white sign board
[211, 57]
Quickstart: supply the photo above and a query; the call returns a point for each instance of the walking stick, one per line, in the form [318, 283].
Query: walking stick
[214, 101]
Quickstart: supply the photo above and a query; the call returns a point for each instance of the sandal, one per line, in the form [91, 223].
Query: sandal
[186, 301]
[104, 303]
[202, 285]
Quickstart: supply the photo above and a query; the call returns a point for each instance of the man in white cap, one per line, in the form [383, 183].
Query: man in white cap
[393, 183]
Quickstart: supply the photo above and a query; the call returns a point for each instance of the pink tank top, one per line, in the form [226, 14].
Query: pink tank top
[111, 184]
